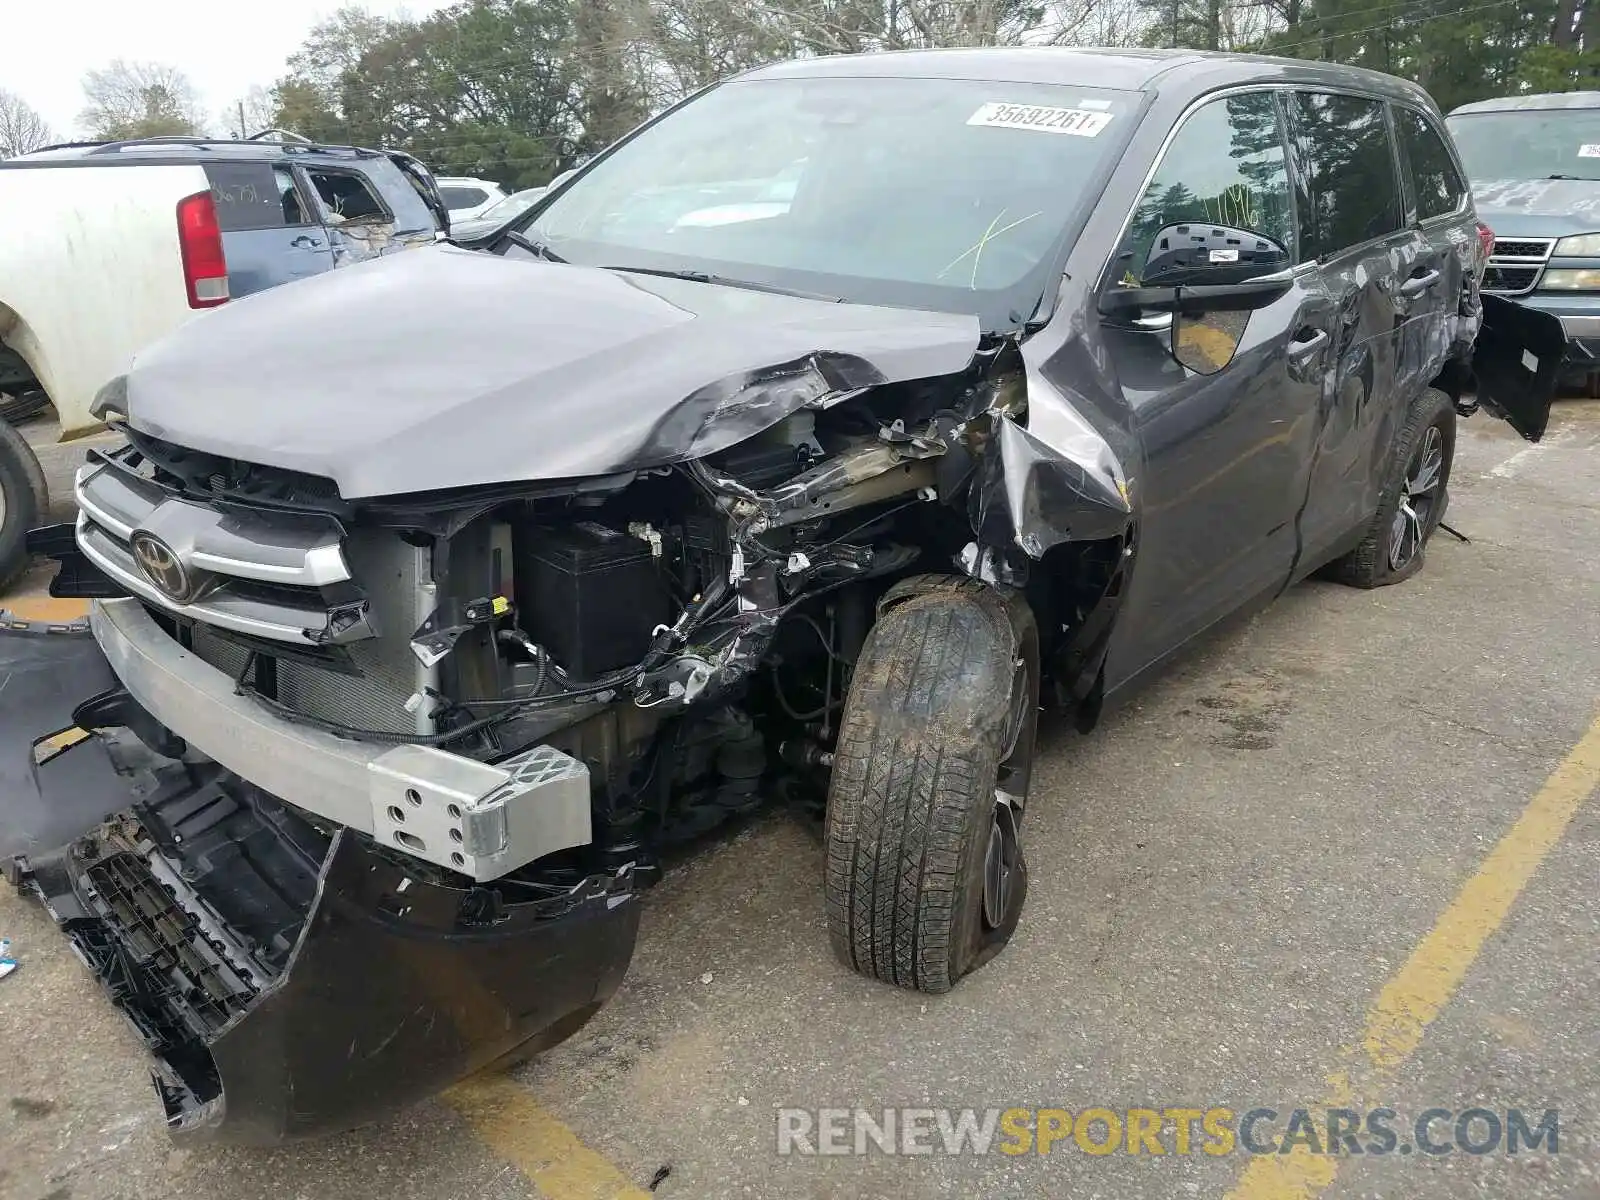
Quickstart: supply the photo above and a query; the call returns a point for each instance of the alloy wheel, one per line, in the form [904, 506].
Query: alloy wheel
[1419, 498]
[1003, 855]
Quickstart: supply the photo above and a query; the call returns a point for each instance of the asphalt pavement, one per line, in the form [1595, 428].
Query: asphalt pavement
[1344, 854]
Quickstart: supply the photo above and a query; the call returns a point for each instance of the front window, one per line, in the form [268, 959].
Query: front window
[1346, 159]
[1529, 143]
[925, 193]
[1224, 167]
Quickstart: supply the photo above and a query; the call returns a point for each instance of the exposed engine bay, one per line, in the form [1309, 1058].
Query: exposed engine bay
[685, 632]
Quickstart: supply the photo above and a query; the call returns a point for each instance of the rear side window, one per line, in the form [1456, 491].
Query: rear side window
[347, 196]
[1433, 174]
[246, 196]
[463, 197]
[1349, 191]
[1225, 166]
[294, 210]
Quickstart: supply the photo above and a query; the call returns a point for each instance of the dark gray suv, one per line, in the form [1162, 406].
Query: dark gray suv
[796, 450]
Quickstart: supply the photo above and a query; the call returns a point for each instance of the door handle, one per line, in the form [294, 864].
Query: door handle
[1415, 286]
[1301, 349]
[305, 242]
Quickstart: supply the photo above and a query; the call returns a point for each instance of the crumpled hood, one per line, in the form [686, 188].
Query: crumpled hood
[449, 368]
[1539, 207]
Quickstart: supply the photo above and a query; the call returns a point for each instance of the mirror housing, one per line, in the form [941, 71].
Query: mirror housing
[1195, 255]
[1244, 296]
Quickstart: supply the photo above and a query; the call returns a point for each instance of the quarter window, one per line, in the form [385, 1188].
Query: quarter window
[1346, 166]
[1433, 172]
[1226, 167]
[245, 195]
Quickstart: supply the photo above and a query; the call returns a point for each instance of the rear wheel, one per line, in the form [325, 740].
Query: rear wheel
[24, 500]
[1414, 497]
[926, 877]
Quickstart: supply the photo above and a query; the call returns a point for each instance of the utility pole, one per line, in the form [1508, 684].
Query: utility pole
[242, 133]
[1172, 40]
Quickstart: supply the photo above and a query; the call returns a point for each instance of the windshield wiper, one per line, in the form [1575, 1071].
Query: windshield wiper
[1574, 178]
[537, 249]
[748, 285]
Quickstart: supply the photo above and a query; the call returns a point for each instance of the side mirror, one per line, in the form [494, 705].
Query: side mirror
[1196, 255]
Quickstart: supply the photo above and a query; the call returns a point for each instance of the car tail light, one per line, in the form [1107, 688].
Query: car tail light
[1485, 240]
[205, 268]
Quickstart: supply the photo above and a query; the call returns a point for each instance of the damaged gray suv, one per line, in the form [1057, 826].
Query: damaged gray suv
[798, 450]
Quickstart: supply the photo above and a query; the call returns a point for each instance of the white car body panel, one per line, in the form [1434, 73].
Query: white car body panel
[90, 272]
[494, 194]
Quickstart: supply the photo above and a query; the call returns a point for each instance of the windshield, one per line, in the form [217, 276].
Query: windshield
[924, 193]
[1530, 143]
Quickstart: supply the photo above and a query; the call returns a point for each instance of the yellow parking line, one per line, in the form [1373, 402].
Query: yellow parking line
[44, 608]
[1430, 977]
[520, 1131]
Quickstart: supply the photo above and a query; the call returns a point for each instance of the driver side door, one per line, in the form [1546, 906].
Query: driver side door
[1227, 447]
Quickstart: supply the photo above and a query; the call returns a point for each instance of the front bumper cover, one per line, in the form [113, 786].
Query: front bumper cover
[289, 981]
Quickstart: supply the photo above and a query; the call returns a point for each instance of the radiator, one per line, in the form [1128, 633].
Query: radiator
[398, 583]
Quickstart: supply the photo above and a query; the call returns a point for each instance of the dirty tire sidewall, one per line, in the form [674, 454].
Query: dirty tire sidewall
[1367, 566]
[912, 795]
[26, 502]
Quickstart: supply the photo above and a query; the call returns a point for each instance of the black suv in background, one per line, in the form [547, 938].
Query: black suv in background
[1534, 164]
[796, 449]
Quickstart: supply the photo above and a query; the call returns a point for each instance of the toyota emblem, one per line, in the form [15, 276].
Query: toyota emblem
[160, 564]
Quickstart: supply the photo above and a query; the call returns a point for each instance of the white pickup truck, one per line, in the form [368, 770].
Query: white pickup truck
[108, 247]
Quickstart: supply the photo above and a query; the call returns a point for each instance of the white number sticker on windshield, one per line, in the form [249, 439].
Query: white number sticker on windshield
[1589, 150]
[1079, 122]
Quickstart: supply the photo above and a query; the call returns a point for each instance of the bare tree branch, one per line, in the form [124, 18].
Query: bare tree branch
[21, 129]
[140, 99]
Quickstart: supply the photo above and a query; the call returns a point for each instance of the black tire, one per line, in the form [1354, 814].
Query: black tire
[1378, 560]
[24, 500]
[16, 409]
[923, 789]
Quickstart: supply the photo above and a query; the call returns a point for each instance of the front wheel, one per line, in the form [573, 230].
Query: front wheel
[925, 874]
[1412, 504]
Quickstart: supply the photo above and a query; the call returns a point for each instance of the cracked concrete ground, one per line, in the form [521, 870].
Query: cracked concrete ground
[1224, 877]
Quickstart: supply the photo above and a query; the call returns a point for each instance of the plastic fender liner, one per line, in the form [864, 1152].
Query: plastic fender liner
[45, 671]
[389, 982]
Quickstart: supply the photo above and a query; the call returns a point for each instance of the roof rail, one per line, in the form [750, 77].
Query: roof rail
[300, 145]
[164, 140]
[65, 146]
[280, 135]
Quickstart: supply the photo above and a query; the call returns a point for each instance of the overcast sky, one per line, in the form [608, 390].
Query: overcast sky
[223, 46]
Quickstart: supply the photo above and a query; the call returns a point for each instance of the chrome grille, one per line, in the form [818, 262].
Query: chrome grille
[1515, 265]
[399, 584]
[1521, 248]
[1510, 281]
[266, 574]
